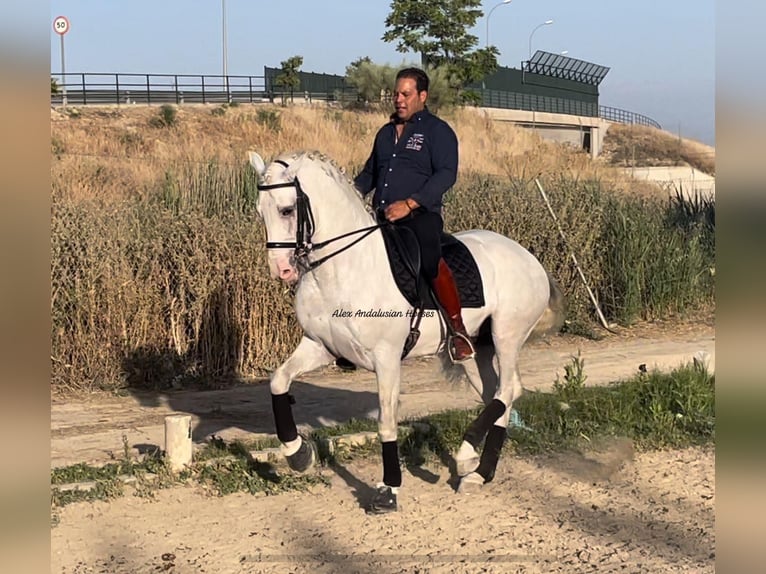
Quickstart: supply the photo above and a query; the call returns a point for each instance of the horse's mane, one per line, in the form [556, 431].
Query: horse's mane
[328, 165]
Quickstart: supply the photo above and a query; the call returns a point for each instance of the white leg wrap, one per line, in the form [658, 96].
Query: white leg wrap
[467, 459]
[290, 448]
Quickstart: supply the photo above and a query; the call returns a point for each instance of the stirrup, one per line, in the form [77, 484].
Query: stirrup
[468, 342]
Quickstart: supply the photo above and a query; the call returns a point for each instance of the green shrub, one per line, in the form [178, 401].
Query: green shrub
[166, 117]
[269, 119]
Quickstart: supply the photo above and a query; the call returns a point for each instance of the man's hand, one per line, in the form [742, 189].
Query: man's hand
[400, 209]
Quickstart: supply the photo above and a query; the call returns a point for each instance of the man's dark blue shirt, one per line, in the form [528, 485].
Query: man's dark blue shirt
[422, 165]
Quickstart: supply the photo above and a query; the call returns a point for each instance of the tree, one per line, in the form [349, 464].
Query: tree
[373, 82]
[54, 87]
[289, 77]
[438, 30]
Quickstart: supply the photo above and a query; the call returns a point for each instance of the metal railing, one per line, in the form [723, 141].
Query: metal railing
[533, 102]
[100, 88]
[625, 117]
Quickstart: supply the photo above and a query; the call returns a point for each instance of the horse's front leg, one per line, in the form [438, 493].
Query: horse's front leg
[388, 372]
[300, 453]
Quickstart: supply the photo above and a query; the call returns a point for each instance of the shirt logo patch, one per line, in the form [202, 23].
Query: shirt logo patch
[415, 142]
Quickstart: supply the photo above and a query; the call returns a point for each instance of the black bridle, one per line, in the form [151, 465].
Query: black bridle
[303, 245]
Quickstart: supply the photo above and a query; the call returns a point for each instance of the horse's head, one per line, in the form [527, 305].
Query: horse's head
[296, 224]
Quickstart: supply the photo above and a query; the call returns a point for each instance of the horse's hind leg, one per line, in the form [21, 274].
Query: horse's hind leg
[309, 355]
[493, 420]
[484, 471]
[482, 375]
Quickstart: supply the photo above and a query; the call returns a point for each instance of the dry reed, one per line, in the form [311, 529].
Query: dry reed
[158, 267]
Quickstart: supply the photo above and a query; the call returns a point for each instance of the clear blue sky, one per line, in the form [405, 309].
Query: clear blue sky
[661, 52]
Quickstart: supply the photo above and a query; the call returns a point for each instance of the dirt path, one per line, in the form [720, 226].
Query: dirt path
[655, 514]
[652, 512]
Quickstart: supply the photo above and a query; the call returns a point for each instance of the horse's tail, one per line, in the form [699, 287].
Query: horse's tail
[552, 318]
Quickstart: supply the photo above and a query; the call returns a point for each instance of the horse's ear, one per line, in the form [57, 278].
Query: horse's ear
[257, 162]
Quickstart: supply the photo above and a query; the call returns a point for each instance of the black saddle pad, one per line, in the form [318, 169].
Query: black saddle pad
[454, 252]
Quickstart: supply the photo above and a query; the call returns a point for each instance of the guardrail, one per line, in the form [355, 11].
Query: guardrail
[626, 117]
[101, 88]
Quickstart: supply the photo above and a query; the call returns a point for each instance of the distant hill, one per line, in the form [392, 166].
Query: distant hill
[641, 146]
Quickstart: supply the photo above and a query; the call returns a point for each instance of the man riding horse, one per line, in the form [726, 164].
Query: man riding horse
[412, 165]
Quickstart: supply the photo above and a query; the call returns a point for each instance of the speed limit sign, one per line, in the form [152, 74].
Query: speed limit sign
[61, 25]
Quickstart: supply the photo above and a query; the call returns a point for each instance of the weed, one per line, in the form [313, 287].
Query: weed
[167, 117]
[227, 468]
[655, 410]
[574, 379]
[101, 490]
[348, 427]
[270, 119]
[131, 140]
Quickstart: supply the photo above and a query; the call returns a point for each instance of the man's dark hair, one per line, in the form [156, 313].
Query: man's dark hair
[420, 77]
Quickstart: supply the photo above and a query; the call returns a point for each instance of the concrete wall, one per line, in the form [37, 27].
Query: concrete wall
[561, 128]
[691, 181]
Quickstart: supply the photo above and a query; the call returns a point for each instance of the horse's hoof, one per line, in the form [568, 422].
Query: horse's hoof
[383, 502]
[471, 483]
[466, 459]
[304, 458]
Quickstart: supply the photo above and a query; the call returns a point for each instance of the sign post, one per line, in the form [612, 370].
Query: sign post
[61, 27]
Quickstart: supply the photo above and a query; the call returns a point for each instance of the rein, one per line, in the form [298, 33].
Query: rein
[303, 245]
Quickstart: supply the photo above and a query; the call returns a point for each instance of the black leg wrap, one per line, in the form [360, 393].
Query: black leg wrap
[302, 459]
[491, 453]
[283, 417]
[478, 429]
[392, 473]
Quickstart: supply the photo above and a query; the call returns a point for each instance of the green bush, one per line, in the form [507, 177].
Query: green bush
[270, 119]
[166, 117]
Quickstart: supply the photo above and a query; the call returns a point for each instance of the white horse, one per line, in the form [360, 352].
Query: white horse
[323, 238]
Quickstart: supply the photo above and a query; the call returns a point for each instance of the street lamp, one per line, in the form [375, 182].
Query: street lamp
[223, 25]
[225, 58]
[546, 23]
[490, 14]
[564, 52]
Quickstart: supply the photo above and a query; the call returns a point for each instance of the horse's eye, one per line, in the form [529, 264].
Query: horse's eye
[286, 211]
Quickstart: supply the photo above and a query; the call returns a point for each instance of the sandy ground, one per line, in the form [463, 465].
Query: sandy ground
[613, 512]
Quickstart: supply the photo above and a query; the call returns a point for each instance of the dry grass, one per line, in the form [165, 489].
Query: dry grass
[640, 146]
[118, 153]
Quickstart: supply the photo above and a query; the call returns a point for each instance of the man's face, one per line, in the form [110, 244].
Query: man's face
[407, 100]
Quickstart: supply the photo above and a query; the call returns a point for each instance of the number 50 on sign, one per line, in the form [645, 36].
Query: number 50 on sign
[61, 25]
